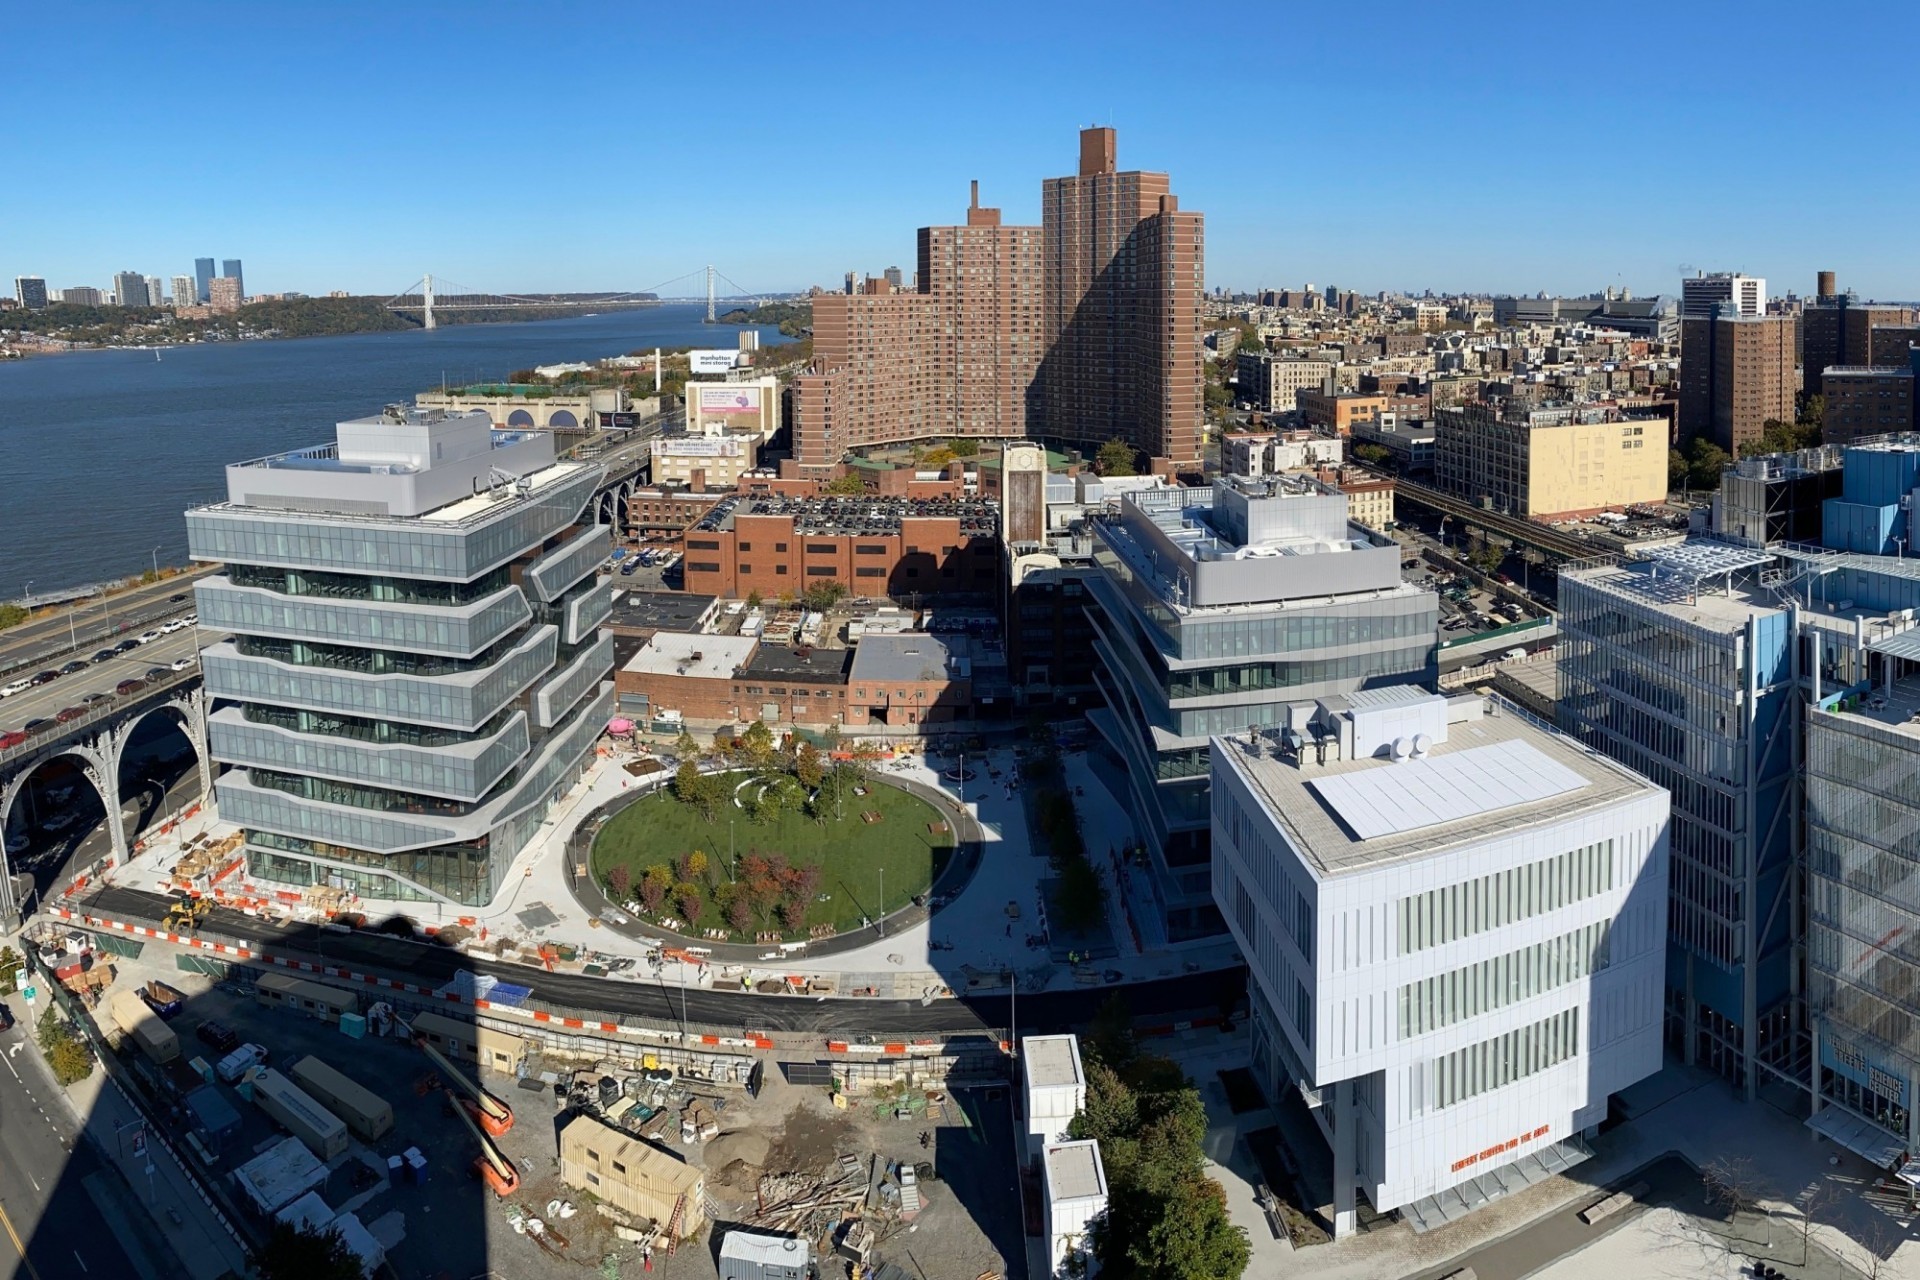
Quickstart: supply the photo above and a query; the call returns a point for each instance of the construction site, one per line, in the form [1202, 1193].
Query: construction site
[443, 1142]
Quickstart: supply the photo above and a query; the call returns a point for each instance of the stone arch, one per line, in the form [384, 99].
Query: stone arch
[520, 418]
[605, 508]
[95, 766]
[562, 420]
[189, 709]
[621, 507]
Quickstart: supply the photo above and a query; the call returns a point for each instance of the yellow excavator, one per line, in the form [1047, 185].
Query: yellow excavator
[185, 915]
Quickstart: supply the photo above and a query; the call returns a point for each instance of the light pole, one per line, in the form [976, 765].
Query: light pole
[26, 597]
[156, 564]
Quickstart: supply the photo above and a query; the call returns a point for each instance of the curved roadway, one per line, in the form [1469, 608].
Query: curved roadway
[429, 965]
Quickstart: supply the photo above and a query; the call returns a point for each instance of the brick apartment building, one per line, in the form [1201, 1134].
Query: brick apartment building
[957, 357]
[1338, 412]
[1866, 401]
[875, 547]
[1736, 373]
[1838, 331]
[668, 508]
[1122, 291]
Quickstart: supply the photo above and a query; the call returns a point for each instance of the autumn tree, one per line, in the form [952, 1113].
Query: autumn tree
[654, 883]
[808, 768]
[620, 882]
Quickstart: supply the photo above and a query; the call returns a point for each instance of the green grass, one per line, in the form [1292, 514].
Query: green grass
[855, 857]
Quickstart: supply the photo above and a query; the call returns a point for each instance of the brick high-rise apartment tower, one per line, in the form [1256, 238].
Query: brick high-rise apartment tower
[985, 279]
[1737, 372]
[1122, 309]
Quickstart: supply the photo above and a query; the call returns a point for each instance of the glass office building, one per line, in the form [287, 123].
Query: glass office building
[1216, 608]
[415, 668]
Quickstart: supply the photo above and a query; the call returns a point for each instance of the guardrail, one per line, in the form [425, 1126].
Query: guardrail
[81, 638]
[113, 708]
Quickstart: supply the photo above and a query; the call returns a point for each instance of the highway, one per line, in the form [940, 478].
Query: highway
[48, 1179]
[430, 965]
[47, 700]
[89, 623]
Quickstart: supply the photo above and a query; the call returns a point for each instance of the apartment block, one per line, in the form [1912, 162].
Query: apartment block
[1737, 373]
[1121, 309]
[1339, 411]
[1866, 401]
[415, 670]
[1700, 294]
[1838, 331]
[1454, 919]
[226, 296]
[1269, 382]
[1545, 462]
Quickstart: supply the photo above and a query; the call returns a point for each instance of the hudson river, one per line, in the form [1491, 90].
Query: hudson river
[101, 451]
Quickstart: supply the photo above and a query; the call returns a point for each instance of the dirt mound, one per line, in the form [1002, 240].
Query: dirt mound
[741, 1146]
[812, 1141]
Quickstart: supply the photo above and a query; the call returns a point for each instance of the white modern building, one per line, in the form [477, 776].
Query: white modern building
[1455, 919]
[1700, 292]
[416, 668]
[1054, 1088]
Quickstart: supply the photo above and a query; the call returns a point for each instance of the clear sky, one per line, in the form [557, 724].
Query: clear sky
[1497, 146]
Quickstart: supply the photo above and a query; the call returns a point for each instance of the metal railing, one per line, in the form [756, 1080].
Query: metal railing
[116, 706]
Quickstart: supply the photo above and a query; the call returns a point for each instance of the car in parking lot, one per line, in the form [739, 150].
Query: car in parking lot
[217, 1036]
[70, 713]
[126, 687]
[72, 667]
[105, 655]
[148, 637]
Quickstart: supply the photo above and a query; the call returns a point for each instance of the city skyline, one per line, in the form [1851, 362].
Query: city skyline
[1359, 205]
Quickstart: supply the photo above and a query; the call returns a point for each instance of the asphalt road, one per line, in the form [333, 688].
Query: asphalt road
[50, 1218]
[652, 1002]
[47, 700]
[96, 620]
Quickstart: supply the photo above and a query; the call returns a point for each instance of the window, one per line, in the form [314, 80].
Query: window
[869, 573]
[870, 549]
[618, 1167]
[744, 569]
[593, 1178]
[820, 571]
[1441, 915]
[780, 571]
[779, 546]
[1492, 1064]
[703, 566]
[1494, 983]
[822, 548]
[743, 546]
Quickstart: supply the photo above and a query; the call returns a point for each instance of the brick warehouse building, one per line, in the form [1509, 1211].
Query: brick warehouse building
[874, 547]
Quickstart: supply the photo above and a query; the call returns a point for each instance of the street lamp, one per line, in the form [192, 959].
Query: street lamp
[156, 562]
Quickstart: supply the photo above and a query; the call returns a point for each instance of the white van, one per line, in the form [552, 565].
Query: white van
[1513, 655]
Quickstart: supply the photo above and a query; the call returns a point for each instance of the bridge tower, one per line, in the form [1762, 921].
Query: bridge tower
[427, 294]
[709, 293]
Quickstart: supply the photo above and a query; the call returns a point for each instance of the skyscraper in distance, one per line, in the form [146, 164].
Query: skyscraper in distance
[203, 279]
[1737, 372]
[230, 268]
[184, 291]
[1699, 293]
[1121, 315]
[30, 292]
[156, 290]
[129, 289]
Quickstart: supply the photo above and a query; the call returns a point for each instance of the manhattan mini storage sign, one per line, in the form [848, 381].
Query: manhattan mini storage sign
[717, 399]
[712, 361]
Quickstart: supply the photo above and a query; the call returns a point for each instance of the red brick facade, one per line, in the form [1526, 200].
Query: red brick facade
[924, 555]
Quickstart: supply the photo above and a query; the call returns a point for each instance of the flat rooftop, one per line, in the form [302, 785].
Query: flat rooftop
[854, 515]
[1898, 708]
[1052, 1061]
[1074, 1171]
[802, 663]
[912, 655]
[679, 653]
[1715, 605]
[1492, 775]
[660, 610]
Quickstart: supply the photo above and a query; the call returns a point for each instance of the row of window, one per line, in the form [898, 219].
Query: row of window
[1493, 1064]
[1496, 982]
[1487, 902]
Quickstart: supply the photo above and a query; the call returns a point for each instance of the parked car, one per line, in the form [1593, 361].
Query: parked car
[126, 687]
[217, 1036]
[72, 667]
[70, 713]
[105, 655]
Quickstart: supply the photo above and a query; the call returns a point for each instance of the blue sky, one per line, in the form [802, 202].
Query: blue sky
[1498, 146]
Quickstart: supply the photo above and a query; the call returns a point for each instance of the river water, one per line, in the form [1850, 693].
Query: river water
[101, 451]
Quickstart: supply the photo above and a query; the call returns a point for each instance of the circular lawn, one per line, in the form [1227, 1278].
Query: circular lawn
[884, 848]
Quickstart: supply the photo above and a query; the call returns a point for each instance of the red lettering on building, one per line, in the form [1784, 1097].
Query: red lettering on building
[1500, 1148]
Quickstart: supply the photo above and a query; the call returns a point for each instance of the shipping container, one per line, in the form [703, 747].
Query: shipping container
[295, 1110]
[366, 1113]
[140, 1024]
[284, 991]
[466, 1041]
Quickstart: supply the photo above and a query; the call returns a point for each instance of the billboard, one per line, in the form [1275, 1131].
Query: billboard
[712, 361]
[718, 399]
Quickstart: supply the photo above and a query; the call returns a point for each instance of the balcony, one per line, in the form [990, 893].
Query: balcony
[463, 771]
[549, 576]
[558, 695]
[457, 630]
[463, 700]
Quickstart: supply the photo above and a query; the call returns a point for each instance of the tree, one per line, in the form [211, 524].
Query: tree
[697, 865]
[1116, 458]
[686, 747]
[620, 883]
[1706, 461]
[307, 1253]
[753, 599]
[67, 1054]
[937, 457]
[1677, 470]
[846, 486]
[10, 964]
[1813, 415]
[756, 744]
[1733, 1183]
[807, 769]
[654, 883]
[830, 740]
[739, 911]
[686, 897]
[694, 788]
[1373, 454]
[822, 596]
[1110, 1037]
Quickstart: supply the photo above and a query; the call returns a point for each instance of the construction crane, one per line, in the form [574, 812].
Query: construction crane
[489, 1112]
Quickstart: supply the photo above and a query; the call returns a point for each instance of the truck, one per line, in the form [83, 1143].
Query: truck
[163, 999]
[295, 1110]
[140, 1024]
[240, 1061]
[367, 1115]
